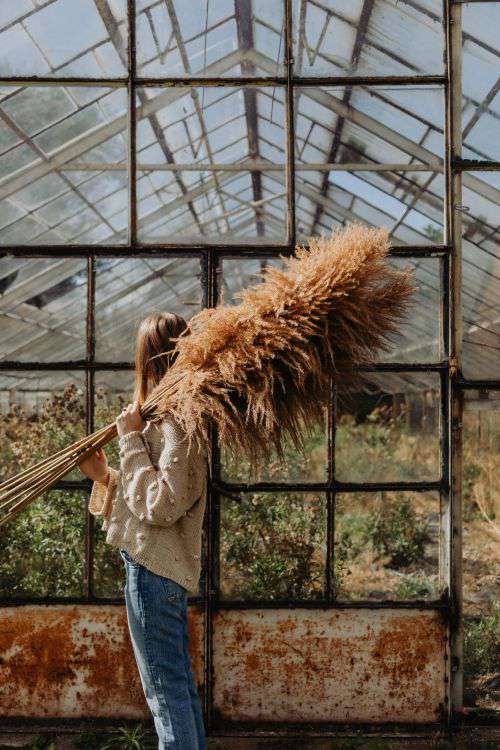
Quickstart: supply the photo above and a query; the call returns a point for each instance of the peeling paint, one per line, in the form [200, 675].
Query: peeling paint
[330, 666]
[287, 665]
[75, 661]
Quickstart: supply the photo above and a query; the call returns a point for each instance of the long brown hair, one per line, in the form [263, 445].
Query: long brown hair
[153, 350]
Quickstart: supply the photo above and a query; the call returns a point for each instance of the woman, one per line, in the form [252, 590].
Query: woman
[152, 510]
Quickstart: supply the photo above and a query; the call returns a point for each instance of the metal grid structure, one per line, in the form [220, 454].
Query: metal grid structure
[231, 140]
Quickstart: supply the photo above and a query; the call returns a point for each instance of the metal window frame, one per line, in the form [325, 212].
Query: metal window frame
[453, 384]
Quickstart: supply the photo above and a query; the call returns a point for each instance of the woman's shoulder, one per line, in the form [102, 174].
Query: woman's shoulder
[167, 428]
[173, 433]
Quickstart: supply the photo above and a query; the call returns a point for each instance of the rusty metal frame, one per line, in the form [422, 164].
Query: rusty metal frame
[452, 533]
[453, 384]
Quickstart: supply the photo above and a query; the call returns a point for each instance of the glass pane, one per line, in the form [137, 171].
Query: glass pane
[480, 276]
[216, 209]
[42, 309]
[376, 160]
[203, 38]
[128, 290]
[349, 37]
[381, 125]
[41, 413]
[419, 338]
[390, 432]
[113, 391]
[63, 160]
[239, 273]
[109, 571]
[387, 545]
[230, 145]
[273, 546]
[410, 205]
[481, 100]
[43, 548]
[63, 38]
[308, 467]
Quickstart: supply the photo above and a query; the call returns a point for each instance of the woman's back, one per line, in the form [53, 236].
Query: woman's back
[153, 507]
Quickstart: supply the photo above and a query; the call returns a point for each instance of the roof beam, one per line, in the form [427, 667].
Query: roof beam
[244, 23]
[121, 48]
[181, 46]
[101, 133]
[370, 124]
[362, 29]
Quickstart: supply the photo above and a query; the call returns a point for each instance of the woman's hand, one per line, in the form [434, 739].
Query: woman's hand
[95, 467]
[129, 420]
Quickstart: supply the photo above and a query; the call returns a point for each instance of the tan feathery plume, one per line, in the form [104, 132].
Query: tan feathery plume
[261, 371]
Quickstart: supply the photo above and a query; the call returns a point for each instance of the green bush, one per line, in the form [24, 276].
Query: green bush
[108, 565]
[272, 542]
[43, 549]
[398, 534]
[42, 552]
[393, 531]
[355, 532]
[271, 546]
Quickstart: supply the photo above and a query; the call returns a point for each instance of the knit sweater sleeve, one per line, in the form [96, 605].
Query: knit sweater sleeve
[157, 495]
[102, 497]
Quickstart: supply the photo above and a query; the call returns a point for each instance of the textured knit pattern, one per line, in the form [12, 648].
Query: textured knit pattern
[153, 507]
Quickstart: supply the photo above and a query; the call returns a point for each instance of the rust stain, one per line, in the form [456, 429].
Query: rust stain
[73, 661]
[196, 626]
[278, 665]
[342, 665]
[403, 650]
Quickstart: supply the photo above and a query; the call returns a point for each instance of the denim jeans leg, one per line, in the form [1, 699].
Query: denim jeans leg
[193, 690]
[133, 602]
[156, 607]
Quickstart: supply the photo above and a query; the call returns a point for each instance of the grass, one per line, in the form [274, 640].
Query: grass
[482, 657]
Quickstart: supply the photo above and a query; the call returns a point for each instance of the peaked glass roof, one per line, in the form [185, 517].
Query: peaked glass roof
[211, 161]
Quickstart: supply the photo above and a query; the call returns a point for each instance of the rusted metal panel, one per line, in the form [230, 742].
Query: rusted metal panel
[353, 665]
[62, 661]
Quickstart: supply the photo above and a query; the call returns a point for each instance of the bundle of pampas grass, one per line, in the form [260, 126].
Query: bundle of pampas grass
[262, 371]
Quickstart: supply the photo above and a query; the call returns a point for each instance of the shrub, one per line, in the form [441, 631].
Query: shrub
[398, 534]
[270, 545]
[42, 552]
[271, 542]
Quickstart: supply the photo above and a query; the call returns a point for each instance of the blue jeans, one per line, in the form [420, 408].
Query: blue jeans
[158, 625]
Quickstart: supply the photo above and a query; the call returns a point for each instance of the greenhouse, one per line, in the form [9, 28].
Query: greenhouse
[158, 156]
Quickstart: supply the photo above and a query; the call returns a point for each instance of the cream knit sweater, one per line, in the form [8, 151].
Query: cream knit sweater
[153, 506]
